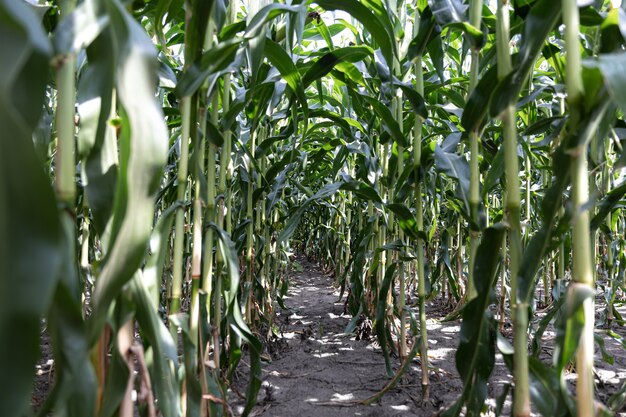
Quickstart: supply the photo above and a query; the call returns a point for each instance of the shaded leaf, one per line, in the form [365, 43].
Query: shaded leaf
[381, 312]
[427, 31]
[143, 149]
[383, 35]
[30, 231]
[327, 62]
[455, 166]
[80, 28]
[540, 21]
[282, 61]
[475, 356]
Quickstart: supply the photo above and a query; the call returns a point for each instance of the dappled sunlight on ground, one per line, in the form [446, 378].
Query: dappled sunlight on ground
[323, 372]
[342, 397]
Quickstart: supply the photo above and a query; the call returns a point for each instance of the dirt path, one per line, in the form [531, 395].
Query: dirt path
[319, 371]
[322, 369]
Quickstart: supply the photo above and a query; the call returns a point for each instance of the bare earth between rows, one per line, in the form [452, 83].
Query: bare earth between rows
[321, 371]
[318, 370]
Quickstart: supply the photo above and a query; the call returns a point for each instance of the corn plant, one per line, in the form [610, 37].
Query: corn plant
[163, 159]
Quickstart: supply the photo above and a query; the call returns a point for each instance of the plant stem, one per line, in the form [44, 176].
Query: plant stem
[419, 218]
[250, 230]
[582, 270]
[65, 155]
[528, 168]
[196, 255]
[396, 109]
[474, 193]
[519, 307]
[179, 227]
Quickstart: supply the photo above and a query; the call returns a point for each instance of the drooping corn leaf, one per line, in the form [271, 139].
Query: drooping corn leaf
[282, 61]
[381, 311]
[455, 166]
[381, 31]
[475, 356]
[328, 61]
[97, 141]
[81, 27]
[143, 147]
[30, 231]
[235, 319]
[541, 20]
[451, 13]
[162, 347]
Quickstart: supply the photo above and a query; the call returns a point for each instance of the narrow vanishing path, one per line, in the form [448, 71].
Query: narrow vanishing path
[318, 371]
[321, 370]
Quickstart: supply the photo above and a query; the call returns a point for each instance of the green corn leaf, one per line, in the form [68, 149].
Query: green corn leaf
[415, 99]
[162, 346]
[266, 14]
[153, 270]
[447, 11]
[428, 30]
[541, 20]
[455, 166]
[30, 231]
[235, 318]
[76, 379]
[196, 23]
[328, 61]
[190, 350]
[382, 33]
[97, 141]
[340, 121]
[570, 326]
[390, 124]
[543, 324]
[406, 220]
[219, 12]
[294, 220]
[617, 401]
[551, 204]
[365, 191]
[81, 27]
[613, 68]
[496, 170]
[324, 32]
[543, 380]
[362, 190]
[608, 202]
[282, 61]
[381, 311]
[218, 58]
[162, 9]
[477, 105]
[279, 166]
[142, 157]
[117, 379]
[451, 13]
[255, 33]
[475, 357]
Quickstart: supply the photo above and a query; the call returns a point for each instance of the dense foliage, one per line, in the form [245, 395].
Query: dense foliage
[161, 161]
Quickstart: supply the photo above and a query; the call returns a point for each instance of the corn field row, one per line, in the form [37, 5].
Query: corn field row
[162, 160]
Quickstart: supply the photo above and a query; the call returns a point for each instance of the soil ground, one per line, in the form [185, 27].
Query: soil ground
[320, 371]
